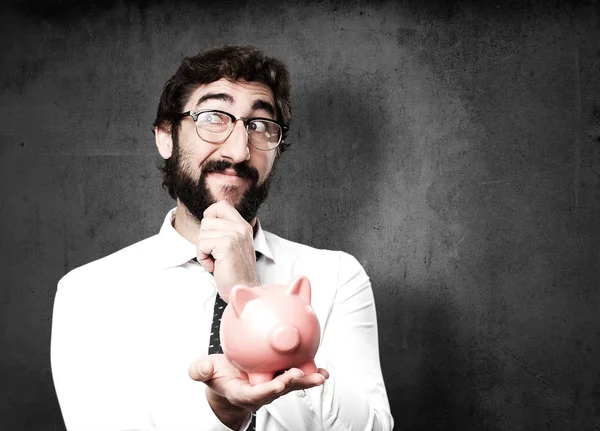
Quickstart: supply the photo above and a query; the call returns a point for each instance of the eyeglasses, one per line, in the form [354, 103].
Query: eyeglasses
[216, 126]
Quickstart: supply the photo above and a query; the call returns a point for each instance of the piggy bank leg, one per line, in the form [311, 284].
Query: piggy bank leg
[256, 378]
[308, 368]
[243, 375]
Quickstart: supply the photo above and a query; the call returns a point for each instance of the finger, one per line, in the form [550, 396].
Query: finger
[202, 370]
[261, 393]
[204, 256]
[323, 372]
[290, 375]
[270, 390]
[310, 381]
[295, 381]
[221, 224]
[287, 382]
[218, 245]
[208, 243]
[231, 234]
[204, 250]
[207, 262]
[223, 209]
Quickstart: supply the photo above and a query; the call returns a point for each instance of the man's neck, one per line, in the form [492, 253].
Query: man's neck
[188, 226]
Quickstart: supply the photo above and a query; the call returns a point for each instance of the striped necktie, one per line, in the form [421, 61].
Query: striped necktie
[214, 344]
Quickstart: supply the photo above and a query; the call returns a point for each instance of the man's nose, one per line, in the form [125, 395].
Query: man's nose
[235, 148]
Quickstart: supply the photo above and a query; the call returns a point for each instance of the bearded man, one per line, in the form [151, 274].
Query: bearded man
[132, 334]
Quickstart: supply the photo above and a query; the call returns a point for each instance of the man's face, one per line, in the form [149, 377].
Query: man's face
[232, 170]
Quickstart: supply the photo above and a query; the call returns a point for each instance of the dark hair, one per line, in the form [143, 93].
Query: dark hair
[230, 62]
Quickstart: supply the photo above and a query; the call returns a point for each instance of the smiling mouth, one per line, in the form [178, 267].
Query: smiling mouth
[229, 176]
[228, 172]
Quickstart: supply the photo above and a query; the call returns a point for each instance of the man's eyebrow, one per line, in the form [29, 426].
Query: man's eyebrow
[215, 96]
[256, 106]
[264, 106]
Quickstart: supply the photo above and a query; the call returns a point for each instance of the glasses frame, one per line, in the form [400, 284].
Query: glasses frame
[234, 119]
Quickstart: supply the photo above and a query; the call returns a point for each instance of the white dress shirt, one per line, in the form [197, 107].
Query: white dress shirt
[127, 327]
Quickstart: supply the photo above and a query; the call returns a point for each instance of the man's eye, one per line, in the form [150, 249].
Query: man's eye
[210, 118]
[258, 126]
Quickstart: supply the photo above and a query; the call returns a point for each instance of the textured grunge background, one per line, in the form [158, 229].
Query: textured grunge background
[453, 148]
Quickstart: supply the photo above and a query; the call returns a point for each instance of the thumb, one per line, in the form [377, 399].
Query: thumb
[202, 370]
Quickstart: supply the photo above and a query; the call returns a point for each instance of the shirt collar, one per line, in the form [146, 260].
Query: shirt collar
[177, 250]
[261, 244]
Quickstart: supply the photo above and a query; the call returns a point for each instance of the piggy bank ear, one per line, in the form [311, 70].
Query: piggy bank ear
[240, 296]
[300, 287]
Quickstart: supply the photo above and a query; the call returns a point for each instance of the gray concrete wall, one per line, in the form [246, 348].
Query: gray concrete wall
[452, 148]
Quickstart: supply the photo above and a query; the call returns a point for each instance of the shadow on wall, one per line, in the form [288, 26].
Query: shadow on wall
[363, 148]
[438, 375]
[339, 143]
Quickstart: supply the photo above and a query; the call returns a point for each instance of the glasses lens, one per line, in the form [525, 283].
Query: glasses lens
[213, 126]
[264, 134]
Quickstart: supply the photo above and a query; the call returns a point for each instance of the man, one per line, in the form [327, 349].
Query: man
[130, 337]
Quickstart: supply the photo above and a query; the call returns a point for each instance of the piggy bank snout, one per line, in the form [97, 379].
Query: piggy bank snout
[284, 338]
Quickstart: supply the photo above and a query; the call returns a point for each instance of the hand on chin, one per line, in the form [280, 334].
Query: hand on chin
[225, 248]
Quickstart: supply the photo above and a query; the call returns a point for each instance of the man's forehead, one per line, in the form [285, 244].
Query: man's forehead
[237, 90]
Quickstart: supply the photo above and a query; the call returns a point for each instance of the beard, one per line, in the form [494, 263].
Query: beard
[196, 196]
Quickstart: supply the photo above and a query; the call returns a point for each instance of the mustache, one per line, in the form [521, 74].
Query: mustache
[242, 170]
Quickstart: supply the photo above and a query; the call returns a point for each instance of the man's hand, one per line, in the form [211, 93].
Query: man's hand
[233, 398]
[224, 247]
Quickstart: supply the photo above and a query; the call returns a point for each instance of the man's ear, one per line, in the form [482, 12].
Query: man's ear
[164, 140]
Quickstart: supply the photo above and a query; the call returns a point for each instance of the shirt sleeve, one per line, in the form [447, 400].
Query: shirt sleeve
[102, 365]
[354, 397]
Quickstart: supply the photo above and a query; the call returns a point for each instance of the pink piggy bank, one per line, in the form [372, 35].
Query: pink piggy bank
[269, 329]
